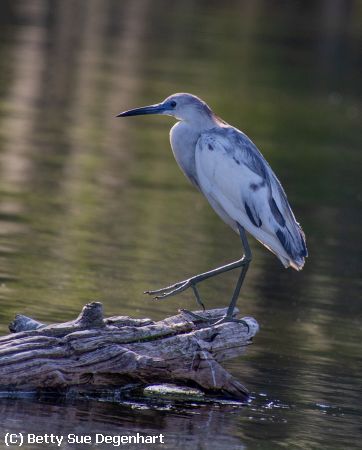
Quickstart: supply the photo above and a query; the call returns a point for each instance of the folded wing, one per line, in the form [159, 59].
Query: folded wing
[242, 188]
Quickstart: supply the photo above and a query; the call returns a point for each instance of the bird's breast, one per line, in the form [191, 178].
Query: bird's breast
[183, 143]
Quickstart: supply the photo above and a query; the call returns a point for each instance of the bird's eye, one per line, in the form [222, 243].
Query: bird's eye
[173, 104]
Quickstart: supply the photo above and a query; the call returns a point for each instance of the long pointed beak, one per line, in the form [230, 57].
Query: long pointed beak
[152, 109]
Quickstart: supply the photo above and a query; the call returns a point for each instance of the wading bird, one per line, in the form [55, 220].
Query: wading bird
[225, 165]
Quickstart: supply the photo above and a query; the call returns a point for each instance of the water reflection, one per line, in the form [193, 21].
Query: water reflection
[189, 425]
[92, 207]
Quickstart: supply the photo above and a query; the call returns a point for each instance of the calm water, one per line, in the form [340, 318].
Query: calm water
[95, 208]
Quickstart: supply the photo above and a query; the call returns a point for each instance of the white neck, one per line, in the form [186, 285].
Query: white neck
[183, 137]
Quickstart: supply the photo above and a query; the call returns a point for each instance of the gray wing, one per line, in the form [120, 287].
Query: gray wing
[234, 173]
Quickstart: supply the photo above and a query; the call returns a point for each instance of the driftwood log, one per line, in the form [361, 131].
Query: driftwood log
[92, 353]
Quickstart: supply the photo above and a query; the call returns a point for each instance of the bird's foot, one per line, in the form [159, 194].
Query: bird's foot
[215, 321]
[168, 291]
[176, 288]
[196, 316]
[227, 318]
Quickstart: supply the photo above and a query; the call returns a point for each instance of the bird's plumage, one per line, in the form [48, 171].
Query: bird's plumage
[242, 188]
[226, 166]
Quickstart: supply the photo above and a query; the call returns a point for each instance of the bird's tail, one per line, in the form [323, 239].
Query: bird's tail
[294, 243]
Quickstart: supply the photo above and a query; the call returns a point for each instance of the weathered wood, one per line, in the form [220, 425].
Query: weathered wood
[92, 353]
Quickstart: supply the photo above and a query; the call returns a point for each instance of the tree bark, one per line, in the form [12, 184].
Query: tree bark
[92, 353]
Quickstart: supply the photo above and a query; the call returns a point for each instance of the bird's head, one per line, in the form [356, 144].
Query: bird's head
[185, 107]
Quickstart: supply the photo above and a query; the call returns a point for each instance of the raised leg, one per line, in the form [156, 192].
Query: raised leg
[181, 286]
[193, 281]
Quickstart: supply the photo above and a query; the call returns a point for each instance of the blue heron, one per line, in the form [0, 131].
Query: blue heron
[226, 166]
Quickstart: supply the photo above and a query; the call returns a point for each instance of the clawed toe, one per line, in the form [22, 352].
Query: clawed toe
[163, 290]
[213, 321]
[195, 316]
[168, 291]
[231, 319]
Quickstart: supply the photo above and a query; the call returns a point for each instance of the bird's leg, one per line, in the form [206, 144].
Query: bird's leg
[244, 264]
[181, 286]
[248, 256]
